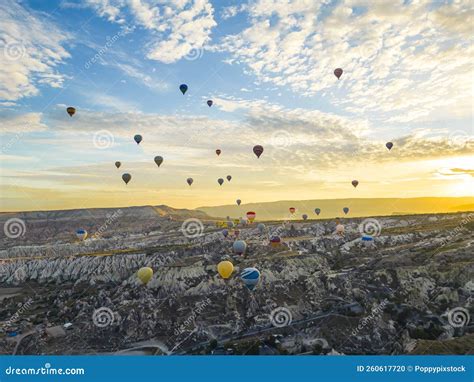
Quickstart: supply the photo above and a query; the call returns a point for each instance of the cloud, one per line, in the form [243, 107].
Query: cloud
[31, 47]
[402, 61]
[178, 27]
[13, 123]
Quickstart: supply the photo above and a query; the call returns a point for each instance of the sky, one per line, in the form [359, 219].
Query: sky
[268, 68]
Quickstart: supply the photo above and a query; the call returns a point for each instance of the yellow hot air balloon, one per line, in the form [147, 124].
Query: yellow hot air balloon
[225, 269]
[145, 274]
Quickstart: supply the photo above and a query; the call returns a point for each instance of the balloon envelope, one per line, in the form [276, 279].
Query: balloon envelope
[239, 246]
[225, 232]
[126, 178]
[183, 88]
[305, 216]
[190, 181]
[275, 241]
[225, 269]
[251, 216]
[220, 181]
[345, 210]
[138, 138]
[158, 160]
[228, 178]
[317, 210]
[292, 210]
[258, 150]
[145, 274]
[238, 201]
[218, 152]
[261, 227]
[338, 72]
[389, 145]
[71, 111]
[355, 183]
[118, 164]
[209, 103]
[250, 277]
[81, 234]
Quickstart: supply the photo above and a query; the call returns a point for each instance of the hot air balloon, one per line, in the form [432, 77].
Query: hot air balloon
[190, 181]
[242, 221]
[346, 210]
[258, 150]
[118, 164]
[292, 210]
[71, 111]
[305, 216]
[229, 178]
[209, 102]
[251, 216]
[220, 181]
[275, 241]
[317, 210]
[389, 145]
[238, 201]
[355, 183]
[367, 238]
[261, 228]
[218, 152]
[239, 247]
[230, 224]
[340, 229]
[338, 72]
[183, 88]
[236, 232]
[126, 178]
[225, 269]
[250, 277]
[225, 232]
[145, 274]
[236, 221]
[81, 234]
[158, 160]
[138, 138]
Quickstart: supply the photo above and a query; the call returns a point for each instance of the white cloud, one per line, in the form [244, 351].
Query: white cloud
[402, 61]
[179, 27]
[31, 48]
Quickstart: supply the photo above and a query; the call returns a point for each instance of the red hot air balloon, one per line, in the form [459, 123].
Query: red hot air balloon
[218, 152]
[338, 73]
[251, 216]
[355, 183]
[258, 150]
[292, 210]
[275, 241]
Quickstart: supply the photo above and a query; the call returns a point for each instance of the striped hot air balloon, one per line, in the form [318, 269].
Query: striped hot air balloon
[250, 277]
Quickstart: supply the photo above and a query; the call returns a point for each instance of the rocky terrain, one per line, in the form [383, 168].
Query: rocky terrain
[407, 291]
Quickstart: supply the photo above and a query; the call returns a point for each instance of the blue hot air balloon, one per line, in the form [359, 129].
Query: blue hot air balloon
[183, 88]
[230, 224]
[346, 210]
[367, 238]
[317, 210]
[81, 234]
[225, 232]
[138, 138]
[239, 246]
[261, 227]
[250, 277]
